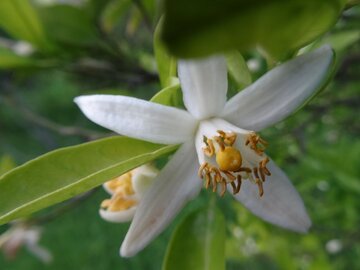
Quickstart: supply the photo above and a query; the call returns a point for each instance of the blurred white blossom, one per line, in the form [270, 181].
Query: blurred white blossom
[21, 235]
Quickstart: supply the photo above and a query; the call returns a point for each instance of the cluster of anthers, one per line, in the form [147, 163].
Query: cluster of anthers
[229, 169]
[123, 194]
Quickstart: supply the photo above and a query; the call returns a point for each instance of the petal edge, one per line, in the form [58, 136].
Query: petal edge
[280, 91]
[138, 118]
[281, 204]
[174, 187]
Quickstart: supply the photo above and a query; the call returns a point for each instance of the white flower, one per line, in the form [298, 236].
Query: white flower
[22, 235]
[126, 192]
[204, 84]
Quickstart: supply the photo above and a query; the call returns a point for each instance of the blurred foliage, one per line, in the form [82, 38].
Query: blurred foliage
[52, 51]
[198, 29]
[194, 245]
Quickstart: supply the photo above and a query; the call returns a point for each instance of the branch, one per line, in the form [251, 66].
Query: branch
[41, 121]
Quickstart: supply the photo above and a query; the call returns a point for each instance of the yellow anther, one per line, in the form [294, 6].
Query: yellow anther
[119, 204]
[209, 150]
[256, 143]
[121, 184]
[229, 159]
[228, 168]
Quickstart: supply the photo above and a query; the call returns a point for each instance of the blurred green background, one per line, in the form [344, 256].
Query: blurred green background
[84, 47]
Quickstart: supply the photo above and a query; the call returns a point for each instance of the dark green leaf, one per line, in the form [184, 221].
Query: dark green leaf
[199, 28]
[68, 24]
[198, 242]
[64, 173]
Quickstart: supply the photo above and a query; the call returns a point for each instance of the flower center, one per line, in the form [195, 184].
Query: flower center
[228, 167]
[123, 192]
[229, 159]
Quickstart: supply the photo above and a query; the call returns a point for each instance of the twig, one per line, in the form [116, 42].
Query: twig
[39, 120]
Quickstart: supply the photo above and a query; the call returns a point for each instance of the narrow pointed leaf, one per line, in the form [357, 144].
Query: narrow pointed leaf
[64, 173]
[166, 64]
[170, 96]
[198, 242]
[238, 69]
[21, 21]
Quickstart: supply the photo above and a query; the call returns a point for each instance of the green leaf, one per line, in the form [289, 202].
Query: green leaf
[68, 24]
[166, 63]
[9, 60]
[20, 20]
[113, 13]
[238, 69]
[340, 41]
[277, 28]
[198, 242]
[170, 96]
[64, 173]
[6, 164]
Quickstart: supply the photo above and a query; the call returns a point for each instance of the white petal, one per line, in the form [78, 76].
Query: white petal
[280, 91]
[107, 189]
[281, 204]
[40, 252]
[176, 184]
[138, 118]
[118, 216]
[204, 85]
[143, 177]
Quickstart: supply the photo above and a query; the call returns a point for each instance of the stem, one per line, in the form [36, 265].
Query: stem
[41, 121]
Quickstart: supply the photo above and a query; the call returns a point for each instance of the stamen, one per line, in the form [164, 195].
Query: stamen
[233, 185]
[262, 174]
[209, 150]
[256, 143]
[208, 180]
[239, 184]
[256, 173]
[220, 142]
[201, 169]
[228, 168]
[123, 191]
[260, 186]
[214, 184]
[244, 169]
[229, 175]
[223, 190]
[221, 133]
[118, 203]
